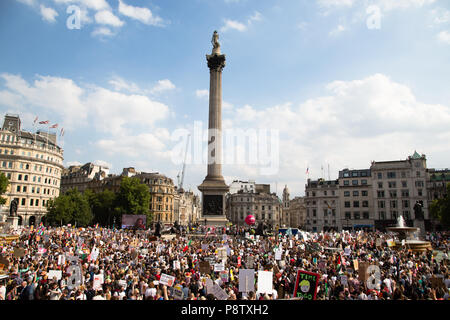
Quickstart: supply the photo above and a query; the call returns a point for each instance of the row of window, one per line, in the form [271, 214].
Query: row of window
[28, 154]
[356, 215]
[262, 208]
[355, 193]
[258, 217]
[325, 222]
[394, 215]
[325, 193]
[160, 207]
[393, 194]
[26, 166]
[331, 212]
[37, 190]
[365, 204]
[355, 182]
[395, 175]
[393, 204]
[33, 202]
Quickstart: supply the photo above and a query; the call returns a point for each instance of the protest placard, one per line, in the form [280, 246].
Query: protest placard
[344, 280]
[167, 280]
[176, 265]
[205, 267]
[265, 281]
[123, 283]
[362, 271]
[390, 242]
[224, 276]
[205, 246]
[347, 251]
[246, 280]
[54, 273]
[355, 264]
[218, 292]
[437, 281]
[250, 262]
[4, 263]
[278, 254]
[177, 292]
[378, 242]
[306, 285]
[98, 281]
[19, 252]
[219, 267]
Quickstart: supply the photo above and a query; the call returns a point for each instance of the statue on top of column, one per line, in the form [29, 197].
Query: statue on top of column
[215, 42]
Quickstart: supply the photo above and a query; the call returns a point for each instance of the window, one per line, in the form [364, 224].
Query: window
[392, 184]
[346, 174]
[364, 181]
[355, 204]
[347, 204]
[382, 215]
[346, 182]
[314, 213]
[418, 173]
[31, 202]
[355, 193]
[356, 215]
[393, 203]
[405, 203]
[404, 184]
[348, 215]
[24, 189]
[393, 194]
[23, 202]
[380, 194]
[365, 193]
[18, 189]
[324, 193]
[365, 204]
[419, 192]
[37, 203]
[380, 175]
[381, 204]
[346, 193]
[19, 177]
[391, 175]
[405, 193]
[380, 185]
[355, 182]
[365, 215]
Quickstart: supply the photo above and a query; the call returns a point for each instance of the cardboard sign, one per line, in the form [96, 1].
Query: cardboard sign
[176, 265]
[19, 252]
[347, 251]
[4, 263]
[167, 280]
[54, 273]
[177, 292]
[209, 284]
[265, 281]
[218, 292]
[378, 242]
[344, 281]
[246, 280]
[362, 271]
[98, 281]
[219, 267]
[224, 276]
[437, 281]
[250, 262]
[355, 264]
[390, 243]
[306, 285]
[205, 267]
[278, 254]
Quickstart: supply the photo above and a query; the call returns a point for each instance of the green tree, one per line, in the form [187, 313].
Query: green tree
[102, 205]
[133, 198]
[440, 209]
[4, 183]
[72, 207]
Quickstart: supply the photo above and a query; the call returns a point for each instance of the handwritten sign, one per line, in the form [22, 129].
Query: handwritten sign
[246, 280]
[98, 281]
[167, 280]
[219, 267]
[265, 281]
[54, 273]
[306, 285]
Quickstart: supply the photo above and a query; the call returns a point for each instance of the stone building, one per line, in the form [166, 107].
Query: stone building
[397, 186]
[186, 207]
[263, 206]
[162, 192]
[322, 205]
[79, 176]
[437, 181]
[245, 186]
[33, 163]
[356, 199]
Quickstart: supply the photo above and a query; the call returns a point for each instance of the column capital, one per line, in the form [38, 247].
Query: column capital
[216, 62]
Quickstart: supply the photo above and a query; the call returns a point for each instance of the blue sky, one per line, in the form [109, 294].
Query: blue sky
[337, 89]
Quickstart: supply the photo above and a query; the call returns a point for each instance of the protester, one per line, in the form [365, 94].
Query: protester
[68, 263]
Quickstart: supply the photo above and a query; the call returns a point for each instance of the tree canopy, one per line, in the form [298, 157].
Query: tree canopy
[72, 207]
[440, 208]
[4, 183]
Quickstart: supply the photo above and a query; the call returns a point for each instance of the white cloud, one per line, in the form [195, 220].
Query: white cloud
[239, 26]
[143, 15]
[440, 15]
[374, 118]
[48, 14]
[336, 31]
[233, 25]
[102, 163]
[162, 85]
[95, 5]
[102, 31]
[73, 163]
[108, 18]
[203, 93]
[335, 3]
[105, 110]
[388, 5]
[444, 37]
[120, 84]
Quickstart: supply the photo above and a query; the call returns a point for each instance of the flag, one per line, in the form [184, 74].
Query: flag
[34, 122]
[307, 170]
[54, 126]
[187, 246]
[44, 122]
[61, 133]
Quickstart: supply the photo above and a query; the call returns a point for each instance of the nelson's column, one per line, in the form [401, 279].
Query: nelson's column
[213, 187]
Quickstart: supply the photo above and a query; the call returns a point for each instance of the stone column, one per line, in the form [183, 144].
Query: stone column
[213, 187]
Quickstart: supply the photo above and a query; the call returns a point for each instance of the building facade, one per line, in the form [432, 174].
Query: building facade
[33, 163]
[78, 177]
[437, 181]
[245, 186]
[265, 207]
[322, 205]
[186, 207]
[356, 199]
[396, 187]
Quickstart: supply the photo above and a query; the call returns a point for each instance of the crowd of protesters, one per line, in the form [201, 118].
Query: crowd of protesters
[132, 263]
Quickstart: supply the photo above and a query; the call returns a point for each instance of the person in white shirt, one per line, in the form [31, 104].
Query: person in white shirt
[99, 295]
[150, 291]
[2, 292]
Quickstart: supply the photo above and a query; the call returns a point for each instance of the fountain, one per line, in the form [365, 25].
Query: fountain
[407, 236]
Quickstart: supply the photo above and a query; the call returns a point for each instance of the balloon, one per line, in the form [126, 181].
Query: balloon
[250, 220]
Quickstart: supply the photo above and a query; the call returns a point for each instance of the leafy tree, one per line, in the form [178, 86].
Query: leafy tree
[4, 183]
[133, 198]
[102, 205]
[72, 207]
[440, 208]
